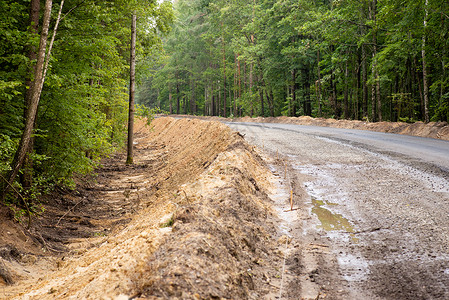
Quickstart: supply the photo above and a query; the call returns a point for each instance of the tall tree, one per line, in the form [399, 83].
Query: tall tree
[132, 89]
[34, 97]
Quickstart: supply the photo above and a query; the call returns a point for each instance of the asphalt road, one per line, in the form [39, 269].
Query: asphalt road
[374, 215]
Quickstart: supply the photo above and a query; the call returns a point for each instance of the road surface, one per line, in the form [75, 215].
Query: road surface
[374, 223]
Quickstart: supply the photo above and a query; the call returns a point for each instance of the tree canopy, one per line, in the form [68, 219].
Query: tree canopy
[83, 105]
[369, 59]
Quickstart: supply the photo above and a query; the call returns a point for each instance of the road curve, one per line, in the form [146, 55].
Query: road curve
[375, 220]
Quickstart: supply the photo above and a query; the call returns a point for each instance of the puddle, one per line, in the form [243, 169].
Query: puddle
[331, 221]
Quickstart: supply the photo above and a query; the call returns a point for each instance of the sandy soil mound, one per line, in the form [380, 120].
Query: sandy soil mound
[436, 130]
[196, 223]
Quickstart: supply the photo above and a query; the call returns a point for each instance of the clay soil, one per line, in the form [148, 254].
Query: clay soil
[191, 219]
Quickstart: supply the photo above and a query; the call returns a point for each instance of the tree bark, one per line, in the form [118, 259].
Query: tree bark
[424, 67]
[293, 90]
[364, 87]
[346, 100]
[224, 75]
[32, 56]
[36, 89]
[132, 89]
[178, 100]
[320, 110]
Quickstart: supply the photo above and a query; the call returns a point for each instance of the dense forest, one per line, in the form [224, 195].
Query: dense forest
[371, 60]
[64, 77]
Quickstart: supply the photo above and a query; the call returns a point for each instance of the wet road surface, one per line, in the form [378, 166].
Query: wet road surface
[374, 223]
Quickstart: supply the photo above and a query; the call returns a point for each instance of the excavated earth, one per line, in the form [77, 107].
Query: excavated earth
[191, 219]
[435, 130]
[203, 215]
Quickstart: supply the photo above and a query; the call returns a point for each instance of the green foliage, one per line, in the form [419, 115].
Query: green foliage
[271, 47]
[83, 106]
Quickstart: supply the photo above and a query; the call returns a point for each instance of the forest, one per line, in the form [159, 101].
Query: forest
[372, 60]
[64, 78]
[65, 72]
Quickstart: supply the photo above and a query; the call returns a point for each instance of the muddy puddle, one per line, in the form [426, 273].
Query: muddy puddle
[327, 206]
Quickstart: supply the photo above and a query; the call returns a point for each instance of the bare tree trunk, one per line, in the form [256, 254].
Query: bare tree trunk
[224, 75]
[293, 90]
[132, 88]
[32, 55]
[178, 100]
[374, 73]
[192, 98]
[364, 87]
[251, 67]
[235, 84]
[424, 67]
[170, 102]
[346, 100]
[36, 89]
[320, 109]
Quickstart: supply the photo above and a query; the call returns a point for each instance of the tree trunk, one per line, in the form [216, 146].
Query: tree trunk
[320, 110]
[212, 99]
[224, 76]
[178, 99]
[132, 89]
[424, 67]
[32, 55]
[251, 67]
[293, 89]
[170, 102]
[364, 87]
[346, 100]
[36, 89]
[192, 98]
[334, 95]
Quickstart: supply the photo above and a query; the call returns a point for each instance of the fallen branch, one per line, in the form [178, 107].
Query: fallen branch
[57, 223]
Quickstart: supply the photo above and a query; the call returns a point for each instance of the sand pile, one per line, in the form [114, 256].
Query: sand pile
[200, 225]
[436, 130]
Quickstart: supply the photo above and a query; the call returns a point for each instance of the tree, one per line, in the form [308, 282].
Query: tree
[35, 94]
[132, 82]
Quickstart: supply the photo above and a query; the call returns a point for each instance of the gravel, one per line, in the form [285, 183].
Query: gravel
[377, 204]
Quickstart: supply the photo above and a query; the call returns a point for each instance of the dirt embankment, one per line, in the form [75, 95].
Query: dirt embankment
[436, 130]
[191, 219]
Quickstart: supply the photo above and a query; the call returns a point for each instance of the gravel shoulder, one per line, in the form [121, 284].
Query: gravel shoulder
[378, 218]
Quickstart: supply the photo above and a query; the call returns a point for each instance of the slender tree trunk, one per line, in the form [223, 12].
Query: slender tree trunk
[373, 64]
[234, 107]
[293, 90]
[178, 98]
[251, 68]
[192, 97]
[364, 85]
[32, 55]
[320, 109]
[224, 76]
[170, 102]
[212, 99]
[424, 67]
[346, 100]
[334, 95]
[219, 100]
[132, 89]
[36, 89]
